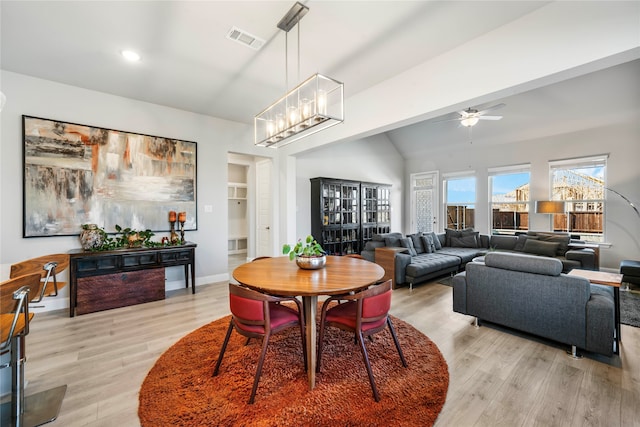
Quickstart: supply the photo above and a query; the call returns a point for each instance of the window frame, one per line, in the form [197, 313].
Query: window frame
[576, 164]
[446, 178]
[508, 170]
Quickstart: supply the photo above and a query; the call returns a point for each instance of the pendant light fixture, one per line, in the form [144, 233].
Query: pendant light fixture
[315, 104]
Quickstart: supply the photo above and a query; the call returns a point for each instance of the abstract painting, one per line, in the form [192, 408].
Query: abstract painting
[77, 174]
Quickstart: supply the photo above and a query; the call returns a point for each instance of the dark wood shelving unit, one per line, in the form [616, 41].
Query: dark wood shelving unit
[345, 214]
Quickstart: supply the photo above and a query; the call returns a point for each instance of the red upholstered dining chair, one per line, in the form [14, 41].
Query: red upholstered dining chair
[257, 315]
[364, 313]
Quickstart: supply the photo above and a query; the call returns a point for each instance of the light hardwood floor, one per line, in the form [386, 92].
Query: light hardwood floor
[496, 377]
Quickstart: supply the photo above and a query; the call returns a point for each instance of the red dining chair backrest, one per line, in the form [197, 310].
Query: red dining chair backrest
[365, 313]
[258, 315]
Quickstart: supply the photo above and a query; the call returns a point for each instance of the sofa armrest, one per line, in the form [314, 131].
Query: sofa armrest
[586, 257]
[600, 324]
[460, 292]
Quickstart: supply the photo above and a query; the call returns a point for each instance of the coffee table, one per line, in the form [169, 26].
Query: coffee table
[608, 279]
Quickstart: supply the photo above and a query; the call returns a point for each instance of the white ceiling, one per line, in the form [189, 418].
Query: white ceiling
[187, 63]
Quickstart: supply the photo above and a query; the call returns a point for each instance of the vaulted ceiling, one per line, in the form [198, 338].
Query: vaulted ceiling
[188, 63]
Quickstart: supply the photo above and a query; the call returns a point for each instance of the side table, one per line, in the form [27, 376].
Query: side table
[386, 258]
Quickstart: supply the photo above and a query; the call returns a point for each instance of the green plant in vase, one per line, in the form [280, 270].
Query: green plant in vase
[308, 254]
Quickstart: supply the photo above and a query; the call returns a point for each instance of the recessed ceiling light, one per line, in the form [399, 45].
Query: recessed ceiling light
[130, 55]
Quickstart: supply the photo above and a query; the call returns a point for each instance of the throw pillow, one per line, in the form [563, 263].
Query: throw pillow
[427, 242]
[417, 242]
[539, 247]
[562, 240]
[522, 238]
[436, 241]
[449, 233]
[408, 243]
[464, 242]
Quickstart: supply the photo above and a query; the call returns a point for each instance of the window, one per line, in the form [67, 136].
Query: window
[509, 203]
[460, 201]
[580, 183]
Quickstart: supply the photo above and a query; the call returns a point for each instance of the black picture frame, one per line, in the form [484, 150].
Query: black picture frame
[76, 174]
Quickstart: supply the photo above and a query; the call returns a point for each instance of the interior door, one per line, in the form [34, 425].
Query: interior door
[424, 202]
[263, 208]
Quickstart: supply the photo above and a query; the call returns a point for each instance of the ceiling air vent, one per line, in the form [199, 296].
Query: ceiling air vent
[244, 38]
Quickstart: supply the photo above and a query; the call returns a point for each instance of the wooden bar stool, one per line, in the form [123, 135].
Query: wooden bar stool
[48, 266]
[39, 408]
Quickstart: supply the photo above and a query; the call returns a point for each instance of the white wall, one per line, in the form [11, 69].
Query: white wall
[372, 159]
[41, 98]
[621, 142]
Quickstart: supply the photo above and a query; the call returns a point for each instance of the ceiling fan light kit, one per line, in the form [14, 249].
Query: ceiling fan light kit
[314, 105]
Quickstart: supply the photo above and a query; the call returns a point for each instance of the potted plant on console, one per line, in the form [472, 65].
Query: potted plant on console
[309, 255]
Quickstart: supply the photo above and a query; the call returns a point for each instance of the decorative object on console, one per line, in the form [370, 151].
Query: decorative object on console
[91, 237]
[182, 217]
[172, 221]
[314, 105]
[76, 174]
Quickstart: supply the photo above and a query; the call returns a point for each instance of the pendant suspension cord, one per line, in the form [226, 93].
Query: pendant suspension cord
[286, 61]
[298, 52]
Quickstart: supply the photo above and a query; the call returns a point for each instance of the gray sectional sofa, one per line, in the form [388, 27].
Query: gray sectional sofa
[531, 294]
[431, 255]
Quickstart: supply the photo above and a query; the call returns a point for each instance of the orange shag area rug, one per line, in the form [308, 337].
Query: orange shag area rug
[180, 391]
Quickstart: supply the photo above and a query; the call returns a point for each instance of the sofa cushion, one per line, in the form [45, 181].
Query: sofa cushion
[468, 241]
[562, 240]
[539, 247]
[371, 245]
[381, 237]
[392, 241]
[449, 233]
[429, 263]
[503, 242]
[465, 254]
[428, 243]
[522, 238]
[525, 263]
[406, 242]
[417, 242]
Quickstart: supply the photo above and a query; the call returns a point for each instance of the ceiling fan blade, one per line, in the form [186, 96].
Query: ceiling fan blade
[495, 107]
[490, 117]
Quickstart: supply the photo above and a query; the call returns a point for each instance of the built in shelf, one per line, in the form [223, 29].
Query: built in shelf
[237, 245]
[237, 191]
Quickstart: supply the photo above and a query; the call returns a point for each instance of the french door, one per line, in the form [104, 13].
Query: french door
[424, 202]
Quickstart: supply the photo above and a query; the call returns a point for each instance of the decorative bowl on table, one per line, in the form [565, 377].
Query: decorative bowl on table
[311, 262]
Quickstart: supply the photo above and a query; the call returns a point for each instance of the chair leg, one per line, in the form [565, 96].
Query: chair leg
[17, 380]
[323, 316]
[376, 396]
[304, 341]
[395, 340]
[222, 350]
[259, 369]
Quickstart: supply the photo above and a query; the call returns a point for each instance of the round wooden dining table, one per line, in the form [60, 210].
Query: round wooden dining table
[281, 276]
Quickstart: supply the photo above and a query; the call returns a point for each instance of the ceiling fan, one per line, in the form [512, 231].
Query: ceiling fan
[471, 116]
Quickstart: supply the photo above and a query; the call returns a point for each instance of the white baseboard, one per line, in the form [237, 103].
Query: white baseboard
[62, 302]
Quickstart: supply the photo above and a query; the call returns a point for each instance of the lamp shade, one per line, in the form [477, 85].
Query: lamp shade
[550, 207]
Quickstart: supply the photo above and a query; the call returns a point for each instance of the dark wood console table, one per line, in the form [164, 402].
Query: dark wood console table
[121, 277]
